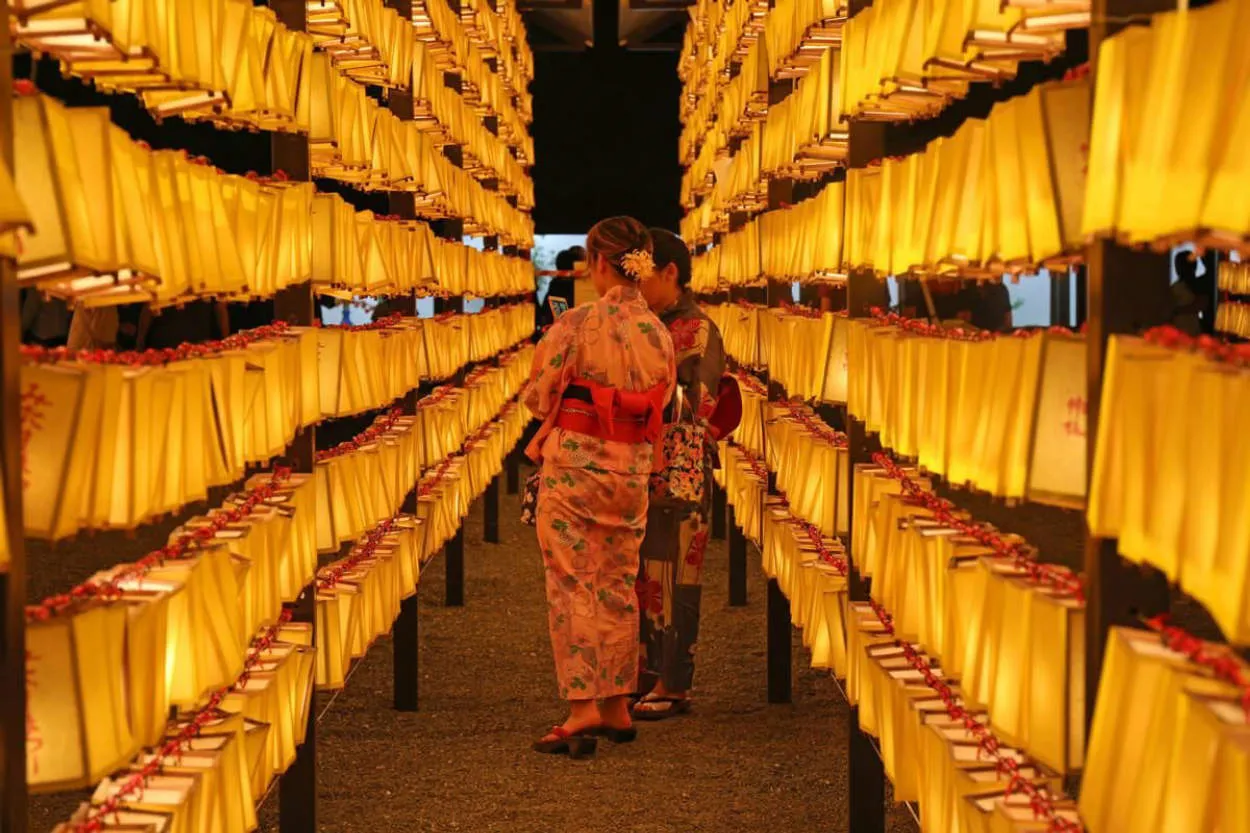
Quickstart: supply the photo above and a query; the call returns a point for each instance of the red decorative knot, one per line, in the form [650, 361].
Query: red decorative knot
[25, 87]
[369, 435]
[1077, 72]
[1222, 663]
[1021, 554]
[240, 507]
[1213, 348]
[148, 358]
[177, 745]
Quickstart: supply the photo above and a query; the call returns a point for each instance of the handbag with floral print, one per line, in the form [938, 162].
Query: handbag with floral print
[683, 473]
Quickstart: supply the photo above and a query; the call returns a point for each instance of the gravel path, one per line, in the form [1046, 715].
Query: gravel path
[487, 688]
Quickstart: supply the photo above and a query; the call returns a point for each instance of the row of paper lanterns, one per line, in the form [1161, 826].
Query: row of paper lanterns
[954, 207]
[227, 62]
[1005, 415]
[802, 242]
[181, 621]
[366, 483]
[1150, 185]
[358, 598]
[764, 337]
[1175, 413]
[111, 445]
[112, 223]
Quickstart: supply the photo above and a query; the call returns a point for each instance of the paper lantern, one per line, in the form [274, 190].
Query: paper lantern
[78, 726]
[1057, 462]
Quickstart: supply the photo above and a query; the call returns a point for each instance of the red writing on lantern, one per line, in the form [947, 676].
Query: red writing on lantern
[33, 404]
[34, 740]
[1074, 422]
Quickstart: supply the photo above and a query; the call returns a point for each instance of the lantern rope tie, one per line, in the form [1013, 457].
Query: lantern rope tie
[1021, 554]
[154, 357]
[173, 551]
[177, 745]
[1223, 666]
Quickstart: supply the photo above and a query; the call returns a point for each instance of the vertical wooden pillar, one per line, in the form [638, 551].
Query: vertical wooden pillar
[737, 562]
[1125, 292]
[778, 616]
[13, 576]
[865, 772]
[490, 510]
[453, 556]
[718, 512]
[297, 788]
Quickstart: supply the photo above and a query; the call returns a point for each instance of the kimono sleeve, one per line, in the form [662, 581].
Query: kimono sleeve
[700, 373]
[554, 367]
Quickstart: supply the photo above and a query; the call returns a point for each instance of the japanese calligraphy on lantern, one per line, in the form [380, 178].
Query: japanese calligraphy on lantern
[1057, 460]
[52, 400]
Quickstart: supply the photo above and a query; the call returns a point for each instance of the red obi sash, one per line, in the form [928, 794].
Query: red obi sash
[609, 413]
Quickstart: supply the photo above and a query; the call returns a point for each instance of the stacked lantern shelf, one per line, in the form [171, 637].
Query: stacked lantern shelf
[994, 685]
[180, 685]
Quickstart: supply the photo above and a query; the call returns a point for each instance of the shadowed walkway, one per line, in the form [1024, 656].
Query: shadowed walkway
[487, 689]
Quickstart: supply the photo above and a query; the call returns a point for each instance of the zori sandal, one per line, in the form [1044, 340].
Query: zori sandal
[580, 744]
[652, 708]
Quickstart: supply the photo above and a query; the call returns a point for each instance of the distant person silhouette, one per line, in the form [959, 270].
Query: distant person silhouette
[1188, 295]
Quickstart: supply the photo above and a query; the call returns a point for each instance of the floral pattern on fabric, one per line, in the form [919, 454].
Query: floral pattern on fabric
[593, 493]
[677, 522]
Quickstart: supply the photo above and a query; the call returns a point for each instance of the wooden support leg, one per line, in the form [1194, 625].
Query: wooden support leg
[453, 555]
[297, 788]
[718, 512]
[490, 509]
[406, 658]
[737, 563]
[779, 643]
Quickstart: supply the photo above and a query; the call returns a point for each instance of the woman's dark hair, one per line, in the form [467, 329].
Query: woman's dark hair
[615, 238]
[567, 259]
[669, 248]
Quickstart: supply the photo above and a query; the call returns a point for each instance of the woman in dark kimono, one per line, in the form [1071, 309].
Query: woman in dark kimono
[681, 492]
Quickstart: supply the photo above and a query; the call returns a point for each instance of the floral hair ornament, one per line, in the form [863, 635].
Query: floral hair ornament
[638, 264]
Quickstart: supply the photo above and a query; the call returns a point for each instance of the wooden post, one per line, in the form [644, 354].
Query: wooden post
[865, 772]
[1126, 291]
[453, 558]
[405, 644]
[405, 650]
[490, 510]
[297, 788]
[778, 615]
[12, 577]
[718, 512]
[737, 562]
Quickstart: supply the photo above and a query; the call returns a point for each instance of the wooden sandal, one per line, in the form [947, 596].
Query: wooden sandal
[576, 745]
[652, 708]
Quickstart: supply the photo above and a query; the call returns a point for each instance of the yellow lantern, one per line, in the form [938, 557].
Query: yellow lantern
[78, 725]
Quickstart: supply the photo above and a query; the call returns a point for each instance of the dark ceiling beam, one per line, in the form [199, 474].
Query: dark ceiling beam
[644, 37]
[607, 14]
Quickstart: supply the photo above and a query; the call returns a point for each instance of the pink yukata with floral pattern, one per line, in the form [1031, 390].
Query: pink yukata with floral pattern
[592, 499]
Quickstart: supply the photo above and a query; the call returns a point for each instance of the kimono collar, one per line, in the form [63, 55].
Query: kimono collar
[620, 294]
[683, 307]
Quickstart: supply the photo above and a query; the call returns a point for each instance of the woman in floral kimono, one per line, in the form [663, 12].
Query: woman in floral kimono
[600, 380]
[681, 493]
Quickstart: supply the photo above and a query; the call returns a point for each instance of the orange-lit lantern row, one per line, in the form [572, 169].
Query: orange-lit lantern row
[111, 440]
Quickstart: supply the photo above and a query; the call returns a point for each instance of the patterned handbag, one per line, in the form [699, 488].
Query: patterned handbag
[683, 454]
[529, 499]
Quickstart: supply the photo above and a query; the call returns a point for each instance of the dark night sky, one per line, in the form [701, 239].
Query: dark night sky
[605, 137]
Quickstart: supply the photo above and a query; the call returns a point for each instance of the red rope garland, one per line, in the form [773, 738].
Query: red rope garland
[362, 551]
[173, 551]
[1213, 348]
[146, 358]
[369, 435]
[1050, 575]
[175, 746]
[1223, 665]
[922, 327]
